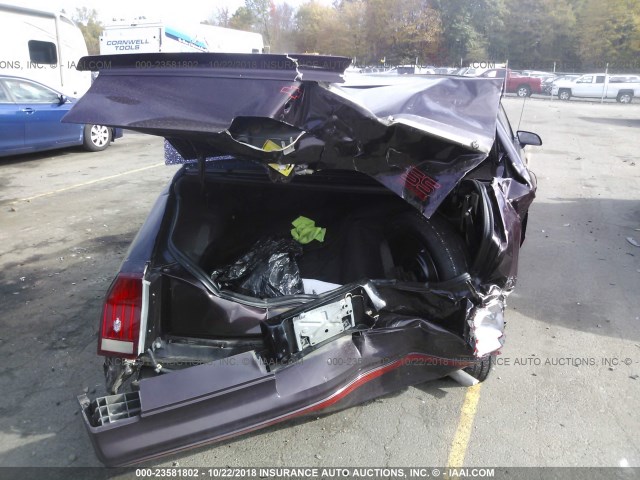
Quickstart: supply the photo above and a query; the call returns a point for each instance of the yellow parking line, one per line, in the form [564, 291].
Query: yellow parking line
[84, 184]
[463, 432]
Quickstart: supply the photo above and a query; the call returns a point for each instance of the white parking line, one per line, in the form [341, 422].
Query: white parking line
[84, 184]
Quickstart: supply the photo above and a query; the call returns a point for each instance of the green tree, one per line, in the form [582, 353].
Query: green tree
[353, 30]
[472, 29]
[378, 18]
[282, 27]
[261, 12]
[399, 31]
[542, 34]
[396, 31]
[610, 33]
[242, 19]
[91, 28]
[314, 24]
[416, 32]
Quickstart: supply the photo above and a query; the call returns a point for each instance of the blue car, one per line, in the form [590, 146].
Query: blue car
[30, 116]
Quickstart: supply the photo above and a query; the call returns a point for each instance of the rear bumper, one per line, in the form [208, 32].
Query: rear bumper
[237, 395]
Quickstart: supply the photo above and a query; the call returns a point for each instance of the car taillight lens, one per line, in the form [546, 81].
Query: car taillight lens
[120, 328]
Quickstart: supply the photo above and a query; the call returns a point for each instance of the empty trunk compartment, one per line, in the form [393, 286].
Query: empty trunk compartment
[219, 222]
[371, 234]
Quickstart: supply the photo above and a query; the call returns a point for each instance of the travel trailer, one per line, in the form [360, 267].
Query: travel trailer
[42, 46]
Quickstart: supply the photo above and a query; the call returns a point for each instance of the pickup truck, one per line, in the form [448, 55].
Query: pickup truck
[598, 85]
[515, 83]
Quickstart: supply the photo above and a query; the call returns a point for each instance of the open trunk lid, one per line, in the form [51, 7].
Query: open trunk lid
[417, 135]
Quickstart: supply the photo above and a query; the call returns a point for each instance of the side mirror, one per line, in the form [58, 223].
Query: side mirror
[529, 138]
[62, 99]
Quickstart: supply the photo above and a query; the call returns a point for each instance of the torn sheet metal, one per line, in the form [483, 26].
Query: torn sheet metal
[450, 303]
[486, 327]
[418, 138]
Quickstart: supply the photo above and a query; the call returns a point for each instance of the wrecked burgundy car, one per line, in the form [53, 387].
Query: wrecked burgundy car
[325, 242]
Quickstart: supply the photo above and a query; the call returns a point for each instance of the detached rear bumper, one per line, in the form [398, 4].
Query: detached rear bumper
[239, 394]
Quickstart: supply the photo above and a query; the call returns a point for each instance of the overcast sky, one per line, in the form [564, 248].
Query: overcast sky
[175, 11]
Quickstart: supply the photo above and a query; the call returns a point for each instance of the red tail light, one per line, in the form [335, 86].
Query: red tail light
[120, 329]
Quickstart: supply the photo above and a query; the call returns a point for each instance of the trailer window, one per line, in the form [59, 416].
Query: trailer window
[43, 52]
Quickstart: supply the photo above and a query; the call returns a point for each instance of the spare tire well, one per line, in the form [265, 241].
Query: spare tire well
[425, 250]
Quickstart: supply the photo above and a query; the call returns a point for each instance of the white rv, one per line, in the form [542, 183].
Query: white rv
[42, 46]
[146, 36]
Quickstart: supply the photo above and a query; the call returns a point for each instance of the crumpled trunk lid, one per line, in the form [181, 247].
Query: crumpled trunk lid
[417, 135]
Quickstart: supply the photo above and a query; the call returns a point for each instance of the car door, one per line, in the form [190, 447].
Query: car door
[11, 124]
[41, 111]
[598, 86]
[494, 73]
[583, 87]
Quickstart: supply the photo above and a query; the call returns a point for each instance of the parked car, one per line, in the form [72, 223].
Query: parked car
[599, 85]
[30, 115]
[536, 73]
[547, 84]
[516, 83]
[375, 70]
[546, 78]
[446, 70]
[528, 73]
[466, 72]
[321, 247]
[414, 70]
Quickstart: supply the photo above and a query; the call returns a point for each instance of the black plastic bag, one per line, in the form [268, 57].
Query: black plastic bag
[269, 269]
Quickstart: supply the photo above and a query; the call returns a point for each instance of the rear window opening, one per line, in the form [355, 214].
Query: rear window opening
[264, 133]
